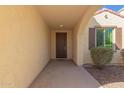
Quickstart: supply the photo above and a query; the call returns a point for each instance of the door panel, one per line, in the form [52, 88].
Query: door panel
[61, 45]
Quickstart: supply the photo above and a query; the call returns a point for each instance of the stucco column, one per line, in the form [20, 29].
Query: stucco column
[82, 39]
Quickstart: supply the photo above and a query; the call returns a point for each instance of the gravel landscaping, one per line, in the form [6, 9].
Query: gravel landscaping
[111, 76]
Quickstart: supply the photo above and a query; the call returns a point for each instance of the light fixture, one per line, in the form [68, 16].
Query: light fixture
[106, 16]
[60, 25]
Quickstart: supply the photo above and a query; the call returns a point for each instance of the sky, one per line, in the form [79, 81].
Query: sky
[114, 7]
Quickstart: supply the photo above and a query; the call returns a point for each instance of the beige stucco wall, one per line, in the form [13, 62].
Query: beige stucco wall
[69, 43]
[24, 45]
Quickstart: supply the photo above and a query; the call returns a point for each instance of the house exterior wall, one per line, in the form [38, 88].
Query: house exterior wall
[69, 43]
[99, 20]
[24, 45]
[112, 20]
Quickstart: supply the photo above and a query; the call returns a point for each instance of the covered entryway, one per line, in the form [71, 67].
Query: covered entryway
[28, 43]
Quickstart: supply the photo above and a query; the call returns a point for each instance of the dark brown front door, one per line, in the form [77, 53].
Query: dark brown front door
[61, 45]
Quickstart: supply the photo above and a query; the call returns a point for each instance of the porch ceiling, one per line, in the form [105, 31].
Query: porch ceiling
[66, 15]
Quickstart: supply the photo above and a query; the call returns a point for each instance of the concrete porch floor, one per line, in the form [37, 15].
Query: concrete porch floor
[64, 74]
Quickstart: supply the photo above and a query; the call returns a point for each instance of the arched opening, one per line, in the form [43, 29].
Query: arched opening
[81, 36]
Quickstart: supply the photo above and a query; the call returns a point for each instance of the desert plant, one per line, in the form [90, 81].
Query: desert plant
[101, 56]
[122, 54]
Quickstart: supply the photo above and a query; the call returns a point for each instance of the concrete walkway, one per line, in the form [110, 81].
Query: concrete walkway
[64, 74]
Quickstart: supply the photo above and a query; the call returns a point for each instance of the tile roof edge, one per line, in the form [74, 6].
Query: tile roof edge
[110, 11]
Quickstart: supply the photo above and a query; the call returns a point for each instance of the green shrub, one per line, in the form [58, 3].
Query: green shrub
[122, 54]
[101, 56]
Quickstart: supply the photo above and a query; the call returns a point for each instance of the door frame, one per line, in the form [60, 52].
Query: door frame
[66, 45]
